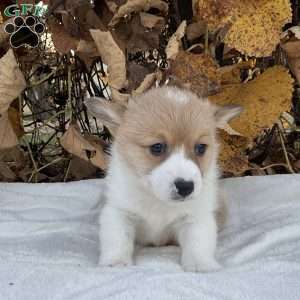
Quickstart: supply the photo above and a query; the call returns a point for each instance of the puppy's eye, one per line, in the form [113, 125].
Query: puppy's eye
[200, 149]
[158, 149]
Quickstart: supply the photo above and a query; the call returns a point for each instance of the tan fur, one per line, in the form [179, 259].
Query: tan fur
[157, 117]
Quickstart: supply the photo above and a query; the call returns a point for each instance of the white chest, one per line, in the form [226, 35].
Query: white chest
[157, 225]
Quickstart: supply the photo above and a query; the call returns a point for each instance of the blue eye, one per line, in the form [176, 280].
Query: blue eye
[200, 149]
[158, 149]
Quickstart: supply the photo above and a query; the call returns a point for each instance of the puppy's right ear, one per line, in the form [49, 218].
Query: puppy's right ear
[108, 113]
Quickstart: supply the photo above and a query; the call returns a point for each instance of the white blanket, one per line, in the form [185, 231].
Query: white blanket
[49, 247]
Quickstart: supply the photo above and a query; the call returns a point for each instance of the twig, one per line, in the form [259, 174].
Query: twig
[271, 166]
[68, 170]
[44, 167]
[35, 171]
[285, 152]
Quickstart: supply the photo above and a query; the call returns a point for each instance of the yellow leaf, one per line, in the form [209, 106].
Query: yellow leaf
[257, 26]
[232, 158]
[86, 147]
[263, 100]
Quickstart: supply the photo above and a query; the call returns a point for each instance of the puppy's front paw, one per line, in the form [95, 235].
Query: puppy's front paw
[117, 262]
[192, 264]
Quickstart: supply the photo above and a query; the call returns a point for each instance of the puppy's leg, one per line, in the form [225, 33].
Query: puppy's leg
[116, 238]
[198, 243]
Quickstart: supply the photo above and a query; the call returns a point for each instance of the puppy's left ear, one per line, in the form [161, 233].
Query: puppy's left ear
[223, 114]
[108, 112]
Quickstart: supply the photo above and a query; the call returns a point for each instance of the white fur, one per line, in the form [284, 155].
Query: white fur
[135, 212]
[176, 166]
[178, 96]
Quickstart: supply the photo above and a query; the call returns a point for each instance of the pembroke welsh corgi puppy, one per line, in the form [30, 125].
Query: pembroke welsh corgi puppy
[162, 182]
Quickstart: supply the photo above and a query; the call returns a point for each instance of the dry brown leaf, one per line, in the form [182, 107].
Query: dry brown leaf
[148, 82]
[112, 56]
[198, 71]
[87, 51]
[6, 174]
[81, 169]
[195, 30]
[292, 49]
[295, 30]
[84, 146]
[232, 158]
[217, 13]
[150, 21]
[136, 37]
[119, 97]
[12, 81]
[137, 6]
[112, 6]
[8, 137]
[263, 100]
[232, 74]
[174, 43]
[136, 73]
[62, 40]
[15, 121]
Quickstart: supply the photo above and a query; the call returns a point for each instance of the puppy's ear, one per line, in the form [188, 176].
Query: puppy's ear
[223, 114]
[108, 113]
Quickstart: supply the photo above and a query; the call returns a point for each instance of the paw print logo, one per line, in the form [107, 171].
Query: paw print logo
[25, 31]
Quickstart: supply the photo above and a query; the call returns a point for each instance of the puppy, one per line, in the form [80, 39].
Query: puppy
[163, 176]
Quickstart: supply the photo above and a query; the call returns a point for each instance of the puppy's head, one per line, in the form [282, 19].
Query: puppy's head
[167, 137]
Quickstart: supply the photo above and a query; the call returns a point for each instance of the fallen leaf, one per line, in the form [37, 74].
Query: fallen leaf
[112, 6]
[81, 169]
[147, 83]
[117, 96]
[62, 40]
[112, 56]
[198, 71]
[12, 81]
[292, 49]
[6, 174]
[84, 146]
[257, 26]
[136, 37]
[174, 43]
[295, 30]
[232, 158]
[87, 51]
[195, 30]
[15, 121]
[232, 74]
[137, 6]
[8, 138]
[216, 13]
[151, 21]
[137, 72]
[263, 100]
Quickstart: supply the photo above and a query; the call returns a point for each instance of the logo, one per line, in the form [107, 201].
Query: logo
[17, 10]
[25, 31]
[24, 26]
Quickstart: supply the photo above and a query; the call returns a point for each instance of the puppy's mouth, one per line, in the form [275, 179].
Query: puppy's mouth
[178, 198]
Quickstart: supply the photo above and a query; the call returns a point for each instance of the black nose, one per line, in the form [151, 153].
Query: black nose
[183, 187]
